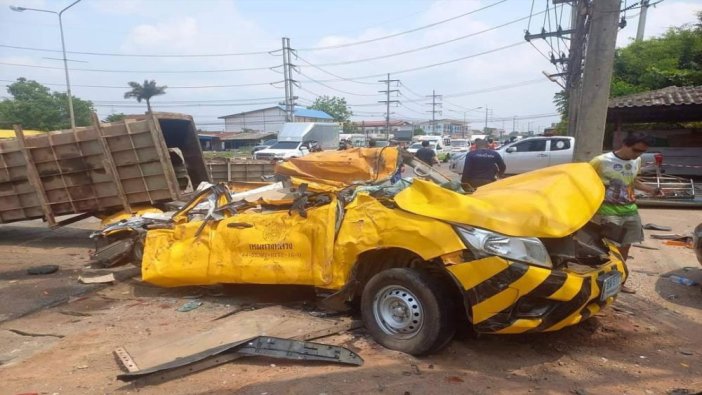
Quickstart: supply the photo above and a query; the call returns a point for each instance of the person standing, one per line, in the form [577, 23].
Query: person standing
[482, 166]
[426, 154]
[618, 215]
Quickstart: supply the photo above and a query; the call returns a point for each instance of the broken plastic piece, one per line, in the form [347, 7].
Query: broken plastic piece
[682, 280]
[192, 305]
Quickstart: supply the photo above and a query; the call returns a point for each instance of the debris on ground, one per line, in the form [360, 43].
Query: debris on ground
[192, 305]
[682, 280]
[286, 332]
[645, 247]
[43, 269]
[24, 333]
[106, 278]
[657, 227]
[679, 243]
[673, 236]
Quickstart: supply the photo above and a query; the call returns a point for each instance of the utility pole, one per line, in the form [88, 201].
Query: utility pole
[433, 111]
[289, 82]
[581, 22]
[486, 119]
[573, 69]
[597, 77]
[387, 102]
[642, 20]
[514, 124]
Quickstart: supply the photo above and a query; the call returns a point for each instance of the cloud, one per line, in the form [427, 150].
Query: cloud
[119, 7]
[176, 33]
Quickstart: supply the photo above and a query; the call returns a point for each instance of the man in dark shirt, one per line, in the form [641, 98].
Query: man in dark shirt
[482, 166]
[426, 154]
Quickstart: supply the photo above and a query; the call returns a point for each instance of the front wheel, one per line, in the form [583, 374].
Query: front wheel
[407, 310]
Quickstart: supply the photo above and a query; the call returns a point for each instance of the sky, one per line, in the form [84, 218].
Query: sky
[487, 64]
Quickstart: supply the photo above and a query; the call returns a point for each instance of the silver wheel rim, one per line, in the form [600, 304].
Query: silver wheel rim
[398, 312]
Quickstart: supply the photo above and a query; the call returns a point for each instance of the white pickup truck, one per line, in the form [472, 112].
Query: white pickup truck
[537, 152]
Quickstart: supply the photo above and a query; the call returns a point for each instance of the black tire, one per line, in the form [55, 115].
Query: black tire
[407, 310]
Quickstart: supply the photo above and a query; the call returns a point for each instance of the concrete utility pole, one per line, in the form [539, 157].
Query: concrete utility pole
[486, 118]
[597, 77]
[433, 110]
[289, 82]
[387, 102]
[573, 61]
[642, 20]
[581, 23]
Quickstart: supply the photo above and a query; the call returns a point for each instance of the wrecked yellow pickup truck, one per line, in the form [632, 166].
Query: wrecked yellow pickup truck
[516, 256]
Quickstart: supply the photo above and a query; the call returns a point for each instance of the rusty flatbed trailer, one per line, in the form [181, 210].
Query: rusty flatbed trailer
[102, 168]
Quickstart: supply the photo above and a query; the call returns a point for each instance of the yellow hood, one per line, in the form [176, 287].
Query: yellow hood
[343, 168]
[551, 202]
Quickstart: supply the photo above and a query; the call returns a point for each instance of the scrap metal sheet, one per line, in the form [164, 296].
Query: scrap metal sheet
[343, 168]
[275, 321]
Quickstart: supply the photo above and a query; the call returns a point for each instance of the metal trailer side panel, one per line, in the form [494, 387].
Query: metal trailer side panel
[101, 168]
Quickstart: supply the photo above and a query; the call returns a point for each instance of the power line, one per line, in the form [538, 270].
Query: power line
[143, 71]
[426, 46]
[142, 55]
[169, 86]
[403, 32]
[187, 105]
[484, 90]
[334, 75]
[257, 99]
[335, 89]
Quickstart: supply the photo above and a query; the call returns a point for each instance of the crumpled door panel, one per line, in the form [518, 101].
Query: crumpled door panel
[262, 248]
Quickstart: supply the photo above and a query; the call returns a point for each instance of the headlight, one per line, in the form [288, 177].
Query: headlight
[523, 249]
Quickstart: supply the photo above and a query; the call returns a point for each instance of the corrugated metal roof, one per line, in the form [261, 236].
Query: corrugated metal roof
[308, 113]
[226, 136]
[670, 96]
[299, 112]
[372, 124]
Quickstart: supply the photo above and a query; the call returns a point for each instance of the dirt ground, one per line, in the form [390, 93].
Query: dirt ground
[646, 343]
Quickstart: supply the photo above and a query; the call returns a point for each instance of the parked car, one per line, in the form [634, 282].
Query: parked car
[435, 145]
[264, 145]
[538, 152]
[459, 145]
[516, 257]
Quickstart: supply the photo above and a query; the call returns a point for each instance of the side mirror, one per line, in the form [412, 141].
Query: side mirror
[511, 149]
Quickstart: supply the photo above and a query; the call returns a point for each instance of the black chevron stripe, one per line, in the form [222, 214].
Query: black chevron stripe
[562, 311]
[498, 283]
[501, 320]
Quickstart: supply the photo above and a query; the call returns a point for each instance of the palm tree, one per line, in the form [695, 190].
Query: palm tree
[145, 92]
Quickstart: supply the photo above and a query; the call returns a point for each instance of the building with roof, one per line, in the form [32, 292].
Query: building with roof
[669, 115]
[219, 141]
[271, 119]
[376, 129]
[446, 127]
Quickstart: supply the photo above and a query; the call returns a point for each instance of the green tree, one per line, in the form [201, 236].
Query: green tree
[115, 117]
[418, 132]
[673, 59]
[145, 92]
[34, 106]
[337, 108]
